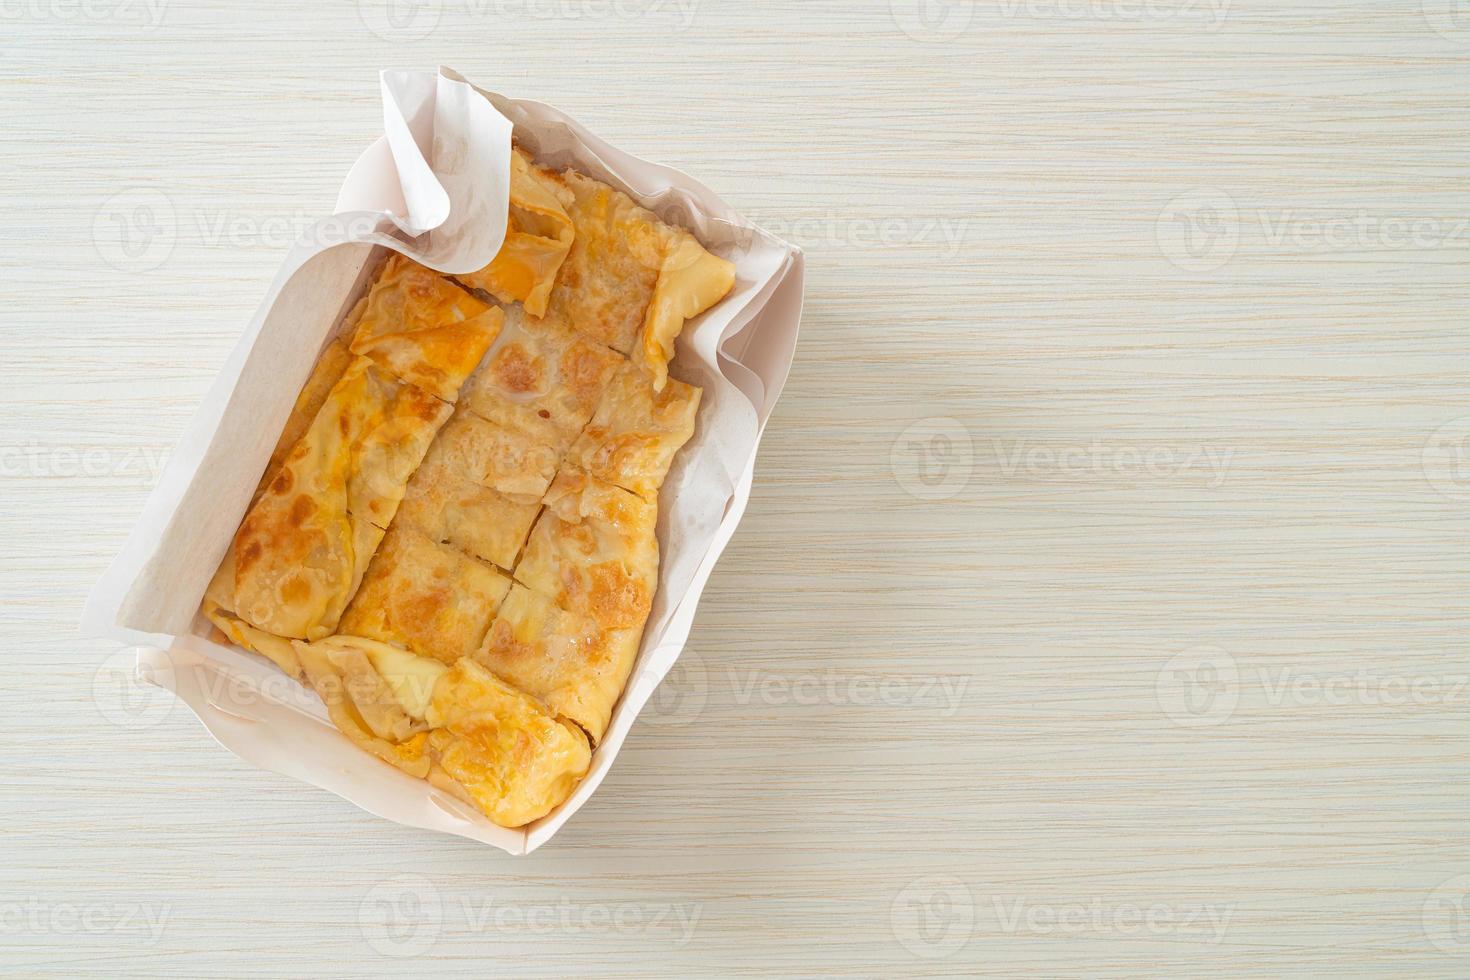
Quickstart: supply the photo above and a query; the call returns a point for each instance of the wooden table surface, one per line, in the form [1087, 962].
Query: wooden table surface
[1101, 604]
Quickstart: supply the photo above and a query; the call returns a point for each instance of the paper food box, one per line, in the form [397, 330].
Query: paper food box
[435, 188]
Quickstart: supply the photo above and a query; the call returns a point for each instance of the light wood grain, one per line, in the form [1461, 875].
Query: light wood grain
[968, 683]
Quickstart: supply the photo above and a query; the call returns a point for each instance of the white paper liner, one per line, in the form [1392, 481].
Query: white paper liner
[435, 187]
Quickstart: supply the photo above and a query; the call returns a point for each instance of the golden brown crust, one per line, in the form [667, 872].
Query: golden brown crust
[542, 379]
[329, 369]
[425, 597]
[513, 759]
[494, 455]
[593, 551]
[635, 433]
[538, 237]
[422, 328]
[570, 662]
[608, 278]
[303, 547]
[446, 506]
[690, 281]
[630, 281]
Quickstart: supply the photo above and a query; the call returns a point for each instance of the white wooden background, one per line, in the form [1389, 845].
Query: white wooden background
[1101, 608]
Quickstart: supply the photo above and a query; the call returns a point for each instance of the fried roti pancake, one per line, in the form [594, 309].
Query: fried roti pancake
[593, 551]
[330, 367]
[446, 506]
[460, 727]
[219, 608]
[690, 281]
[302, 549]
[494, 454]
[363, 704]
[577, 667]
[538, 237]
[479, 488]
[542, 379]
[427, 597]
[500, 749]
[454, 540]
[608, 278]
[422, 328]
[630, 281]
[632, 438]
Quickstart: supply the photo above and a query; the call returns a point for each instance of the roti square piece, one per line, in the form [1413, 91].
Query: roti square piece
[540, 378]
[593, 551]
[494, 455]
[305, 543]
[219, 608]
[630, 281]
[499, 749]
[426, 597]
[422, 328]
[325, 374]
[448, 507]
[573, 665]
[609, 275]
[632, 438]
[479, 488]
[461, 728]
